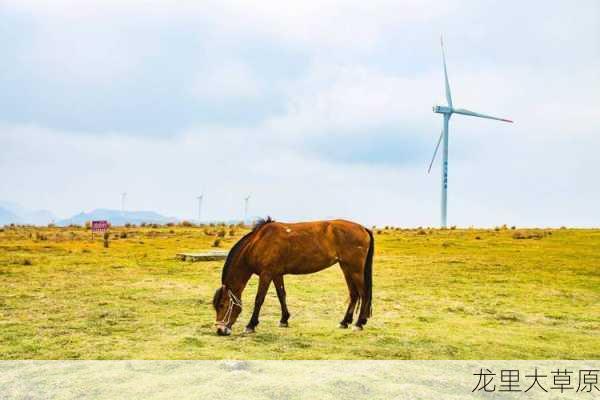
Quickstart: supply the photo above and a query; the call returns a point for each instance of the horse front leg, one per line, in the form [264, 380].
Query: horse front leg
[264, 281]
[280, 287]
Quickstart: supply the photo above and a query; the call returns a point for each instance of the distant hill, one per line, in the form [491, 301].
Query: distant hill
[8, 217]
[117, 218]
[11, 213]
[39, 217]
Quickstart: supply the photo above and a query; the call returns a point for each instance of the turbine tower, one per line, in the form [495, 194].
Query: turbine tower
[246, 199]
[447, 112]
[200, 198]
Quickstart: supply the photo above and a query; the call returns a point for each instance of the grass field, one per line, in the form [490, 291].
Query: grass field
[438, 294]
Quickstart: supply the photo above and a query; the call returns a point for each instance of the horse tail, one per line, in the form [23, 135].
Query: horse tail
[369, 273]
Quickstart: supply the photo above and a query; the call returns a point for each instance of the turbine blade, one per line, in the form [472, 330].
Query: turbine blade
[437, 146]
[448, 94]
[474, 114]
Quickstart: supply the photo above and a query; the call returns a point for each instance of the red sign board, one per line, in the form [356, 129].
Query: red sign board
[99, 226]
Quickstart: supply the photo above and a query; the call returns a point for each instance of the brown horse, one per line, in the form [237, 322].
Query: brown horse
[273, 249]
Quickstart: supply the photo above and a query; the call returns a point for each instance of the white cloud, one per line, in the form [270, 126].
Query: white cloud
[83, 53]
[227, 81]
[354, 100]
[348, 23]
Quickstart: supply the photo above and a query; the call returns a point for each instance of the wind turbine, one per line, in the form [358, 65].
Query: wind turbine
[246, 199]
[200, 198]
[447, 112]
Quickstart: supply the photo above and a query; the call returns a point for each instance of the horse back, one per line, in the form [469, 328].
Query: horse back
[307, 247]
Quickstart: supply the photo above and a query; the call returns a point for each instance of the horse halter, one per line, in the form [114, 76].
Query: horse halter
[233, 301]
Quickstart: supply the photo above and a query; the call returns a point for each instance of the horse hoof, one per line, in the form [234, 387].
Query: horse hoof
[343, 326]
[248, 330]
[283, 325]
[357, 328]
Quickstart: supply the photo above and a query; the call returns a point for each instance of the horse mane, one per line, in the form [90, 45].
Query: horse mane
[237, 248]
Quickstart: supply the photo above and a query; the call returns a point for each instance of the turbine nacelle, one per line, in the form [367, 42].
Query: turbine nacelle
[442, 109]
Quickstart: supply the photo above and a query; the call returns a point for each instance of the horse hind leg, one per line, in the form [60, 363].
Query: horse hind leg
[280, 288]
[364, 304]
[353, 298]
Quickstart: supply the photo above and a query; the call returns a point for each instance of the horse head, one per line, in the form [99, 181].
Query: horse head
[228, 307]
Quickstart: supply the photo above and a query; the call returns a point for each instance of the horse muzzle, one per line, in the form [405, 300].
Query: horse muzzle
[223, 330]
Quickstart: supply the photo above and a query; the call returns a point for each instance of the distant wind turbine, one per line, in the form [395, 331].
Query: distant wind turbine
[246, 200]
[200, 198]
[447, 112]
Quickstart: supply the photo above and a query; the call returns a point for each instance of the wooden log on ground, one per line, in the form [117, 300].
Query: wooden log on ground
[212, 255]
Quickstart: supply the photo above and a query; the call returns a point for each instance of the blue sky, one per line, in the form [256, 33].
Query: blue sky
[318, 109]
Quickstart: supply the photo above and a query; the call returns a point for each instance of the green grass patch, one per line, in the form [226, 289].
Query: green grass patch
[438, 294]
